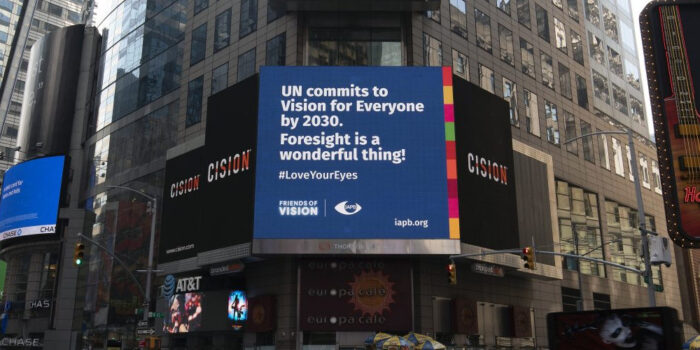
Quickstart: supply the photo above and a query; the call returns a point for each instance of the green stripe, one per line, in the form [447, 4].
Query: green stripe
[449, 131]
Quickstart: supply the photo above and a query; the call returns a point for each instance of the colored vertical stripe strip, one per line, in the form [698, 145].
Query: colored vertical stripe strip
[451, 153]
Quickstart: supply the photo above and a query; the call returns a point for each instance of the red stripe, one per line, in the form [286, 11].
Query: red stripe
[446, 76]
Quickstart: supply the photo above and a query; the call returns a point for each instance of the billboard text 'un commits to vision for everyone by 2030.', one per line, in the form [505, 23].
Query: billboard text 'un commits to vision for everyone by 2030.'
[30, 198]
[353, 153]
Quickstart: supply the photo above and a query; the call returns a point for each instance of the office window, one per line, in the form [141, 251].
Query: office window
[581, 91]
[460, 64]
[483, 30]
[547, 70]
[8, 154]
[644, 170]
[615, 61]
[7, 5]
[579, 227]
[433, 14]
[10, 131]
[632, 74]
[542, 22]
[354, 47]
[623, 229]
[510, 94]
[505, 42]
[570, 129]
[527, 52]
[596, 48]
[194, 101]
[486, 79]
[603, 155]
[560, 35]
[219, 78]
[222, 30]
[559, 4]
[275, 51]
[636, 110]
[564, 81]
[523, 7]
[610, 22]
[199, 44]
[570, 297]
[656, 176]
[627, 37]
[576, 47]
[532, 114]
[275, 10]
[246, 64]
[592, 11]
[458, 17]
[432, 51]
[600, 87]
[55, 10]
[617, 157]
[620, 99]
[504, 5]
[573, 9]
[601, 301]
[551, 122]
[200, 5]
[249, 17]
[587, 141]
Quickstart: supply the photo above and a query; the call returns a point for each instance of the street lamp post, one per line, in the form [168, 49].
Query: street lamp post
[149, 268]
[640, 206]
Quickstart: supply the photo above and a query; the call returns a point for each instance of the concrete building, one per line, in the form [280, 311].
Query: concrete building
[566, 68]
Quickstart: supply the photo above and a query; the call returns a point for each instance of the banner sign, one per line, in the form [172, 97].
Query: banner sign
[30, 197]
[355, 295]
[669, 31]
[355, 152]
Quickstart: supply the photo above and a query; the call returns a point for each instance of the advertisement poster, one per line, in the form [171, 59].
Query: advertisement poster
[30, 197]
[355, 295]
[669, 31]
[642, 328]
[355, 153]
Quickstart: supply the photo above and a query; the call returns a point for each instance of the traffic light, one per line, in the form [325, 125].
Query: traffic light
[452, 273]
[78, 254]
[529, 258]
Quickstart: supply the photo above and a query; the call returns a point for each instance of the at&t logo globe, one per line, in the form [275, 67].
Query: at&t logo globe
[168, 286]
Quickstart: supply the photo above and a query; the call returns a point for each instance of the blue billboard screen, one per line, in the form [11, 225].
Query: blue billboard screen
[355, 153]
[30, 197]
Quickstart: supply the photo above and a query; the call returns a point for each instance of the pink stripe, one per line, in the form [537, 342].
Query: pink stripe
[453, 205]
[449, 113]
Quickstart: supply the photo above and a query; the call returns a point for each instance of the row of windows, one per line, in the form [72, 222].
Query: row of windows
[275, 49]
[58, 11]
[248, 12]
[580, 229]
[598, 54]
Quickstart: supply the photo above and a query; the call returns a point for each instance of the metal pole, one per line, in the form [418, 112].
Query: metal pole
[642, 220]
[116, 258]
[149, 271]
[579, 303]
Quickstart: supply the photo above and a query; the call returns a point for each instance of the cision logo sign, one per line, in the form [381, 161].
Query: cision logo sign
[354, 153]
[30, 197]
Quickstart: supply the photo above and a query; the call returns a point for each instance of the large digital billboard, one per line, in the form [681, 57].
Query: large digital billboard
[355, 153]
[30, 198]
[670, 45]
[653, 328]
[208, 194]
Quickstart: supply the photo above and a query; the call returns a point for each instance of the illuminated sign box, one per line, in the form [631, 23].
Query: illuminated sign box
[30, 198]
[357, 160]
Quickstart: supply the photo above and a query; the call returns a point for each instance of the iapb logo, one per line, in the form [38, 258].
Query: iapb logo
[347, 209]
